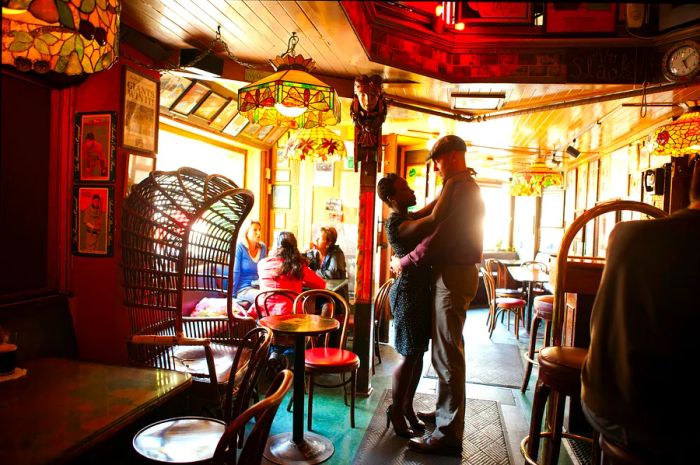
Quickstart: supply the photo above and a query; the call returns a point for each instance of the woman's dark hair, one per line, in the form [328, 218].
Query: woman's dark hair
[385, 187]
[292, 260]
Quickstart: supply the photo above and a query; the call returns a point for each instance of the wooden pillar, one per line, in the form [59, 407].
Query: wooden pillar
[368, 112]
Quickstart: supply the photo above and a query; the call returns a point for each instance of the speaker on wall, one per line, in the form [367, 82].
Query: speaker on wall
[571, 150]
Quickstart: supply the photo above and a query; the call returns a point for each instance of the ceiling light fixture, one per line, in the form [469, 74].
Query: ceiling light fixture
[68, 37]
[678, 138]
[317, 143]
[531, 181]
[477, 100]
[291, 96]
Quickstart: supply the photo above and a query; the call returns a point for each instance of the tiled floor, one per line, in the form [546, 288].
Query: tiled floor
[332, 417]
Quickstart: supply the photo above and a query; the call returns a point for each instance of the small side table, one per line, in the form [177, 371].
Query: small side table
[299, 447]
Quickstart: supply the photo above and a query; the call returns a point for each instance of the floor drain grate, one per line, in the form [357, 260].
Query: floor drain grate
[579, 451]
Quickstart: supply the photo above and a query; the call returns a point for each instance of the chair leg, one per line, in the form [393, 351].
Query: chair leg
[538, 406]
[530, 353]
[555, 443]
[353, 388]
[311, 401]
[516, 326]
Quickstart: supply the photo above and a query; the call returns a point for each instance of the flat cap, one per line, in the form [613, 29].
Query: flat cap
[446, 144]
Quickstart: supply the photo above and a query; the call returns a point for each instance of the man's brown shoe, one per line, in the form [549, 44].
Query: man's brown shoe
[430, 445]
[427, 417]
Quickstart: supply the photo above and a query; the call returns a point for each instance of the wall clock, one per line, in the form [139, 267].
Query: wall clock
[681, 62]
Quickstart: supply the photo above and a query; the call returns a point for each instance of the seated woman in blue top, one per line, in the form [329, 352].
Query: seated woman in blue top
[249, 251]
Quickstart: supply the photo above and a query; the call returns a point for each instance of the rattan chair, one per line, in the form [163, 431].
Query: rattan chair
[179, 234]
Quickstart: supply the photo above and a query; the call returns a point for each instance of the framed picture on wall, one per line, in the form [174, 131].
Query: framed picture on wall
[282, 197]
[140, 95]
[139, 168]
[210, 106]
[226, 115]
[236, 125]
[93, 220]
[95, 146]
[171, 88]
[191, 98]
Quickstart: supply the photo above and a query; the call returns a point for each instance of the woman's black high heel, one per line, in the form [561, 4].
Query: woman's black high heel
[415, 424]
[404, 433]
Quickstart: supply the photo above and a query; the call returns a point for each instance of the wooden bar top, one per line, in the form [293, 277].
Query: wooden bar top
[63, 407]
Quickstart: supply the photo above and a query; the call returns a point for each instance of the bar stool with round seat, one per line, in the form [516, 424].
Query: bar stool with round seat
[615, 454]
[559, 376]
[542, 311]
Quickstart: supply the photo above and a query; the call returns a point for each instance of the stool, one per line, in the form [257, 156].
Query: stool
[560, 376]
[542, 311]
[614, 454]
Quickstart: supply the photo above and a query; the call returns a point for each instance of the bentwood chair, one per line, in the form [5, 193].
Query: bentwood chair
[560, 366]
[324, 358]
[206, 440]
[381, 313]
[262, 304]
[498, 268]
[537, 288]
[502, 305]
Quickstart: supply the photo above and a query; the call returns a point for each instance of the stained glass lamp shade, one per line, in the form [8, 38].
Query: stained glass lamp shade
[66, 36]
[678, 138]
[291, 96]
[317, 143]
[531, 181]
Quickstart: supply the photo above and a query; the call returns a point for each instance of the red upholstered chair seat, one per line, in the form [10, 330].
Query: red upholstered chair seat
[331, 359]
[544, 306]
[509, 302]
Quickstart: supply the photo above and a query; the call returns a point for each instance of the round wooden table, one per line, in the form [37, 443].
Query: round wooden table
[299, 447]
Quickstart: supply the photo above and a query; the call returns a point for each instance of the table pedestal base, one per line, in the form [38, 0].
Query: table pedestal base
[312, 450]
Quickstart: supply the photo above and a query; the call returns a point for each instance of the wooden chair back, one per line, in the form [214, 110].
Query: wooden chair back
[382, 304]
[263, 299]
[490, 286]
[306, 303]
[264, 413]
[494, 265]
[570, 271]
[534, 265]
[247, 365]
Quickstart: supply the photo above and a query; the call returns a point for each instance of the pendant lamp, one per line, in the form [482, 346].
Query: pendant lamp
[677, 138]
[69, 37]
[531, 181]
[317, 143]
[291, 96]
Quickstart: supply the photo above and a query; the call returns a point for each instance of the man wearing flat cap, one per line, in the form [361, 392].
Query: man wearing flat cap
[452, 250]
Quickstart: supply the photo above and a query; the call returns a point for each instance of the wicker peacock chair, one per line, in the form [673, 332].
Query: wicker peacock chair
[179, 235]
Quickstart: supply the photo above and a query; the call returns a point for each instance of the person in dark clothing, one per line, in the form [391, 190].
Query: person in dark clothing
[642, 353]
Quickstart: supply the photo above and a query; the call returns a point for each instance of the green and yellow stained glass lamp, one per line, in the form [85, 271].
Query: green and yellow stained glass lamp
[678, 138]
[71, 37]
[291, 96]
[531, 181]
[317, 143]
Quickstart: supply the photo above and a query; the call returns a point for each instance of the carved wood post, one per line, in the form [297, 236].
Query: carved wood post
[368, 111]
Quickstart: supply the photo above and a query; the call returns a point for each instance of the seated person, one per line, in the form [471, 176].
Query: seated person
[325, 256]
[286, 268]
[249, 251]
[643, 332]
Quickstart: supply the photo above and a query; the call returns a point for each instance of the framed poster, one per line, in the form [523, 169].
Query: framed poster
[263, 132]
[93, 219]
[236, 125]
[581, 185]
[140, 112]
[251, 130]
[210, 106]
[592, 195]
[139, 168]
[570, 17]
[226, 115]
[510, 13]
[95, 147]
[191, 98]
[323, 174]
[282, 197]
[275, 135]
[171, 88]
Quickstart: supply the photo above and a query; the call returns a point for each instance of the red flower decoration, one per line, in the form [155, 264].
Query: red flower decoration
[663, 138]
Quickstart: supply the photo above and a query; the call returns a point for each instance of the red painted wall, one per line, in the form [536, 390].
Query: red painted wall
[100, 320]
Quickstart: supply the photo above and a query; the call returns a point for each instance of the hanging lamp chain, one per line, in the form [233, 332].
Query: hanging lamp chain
[291, 45]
